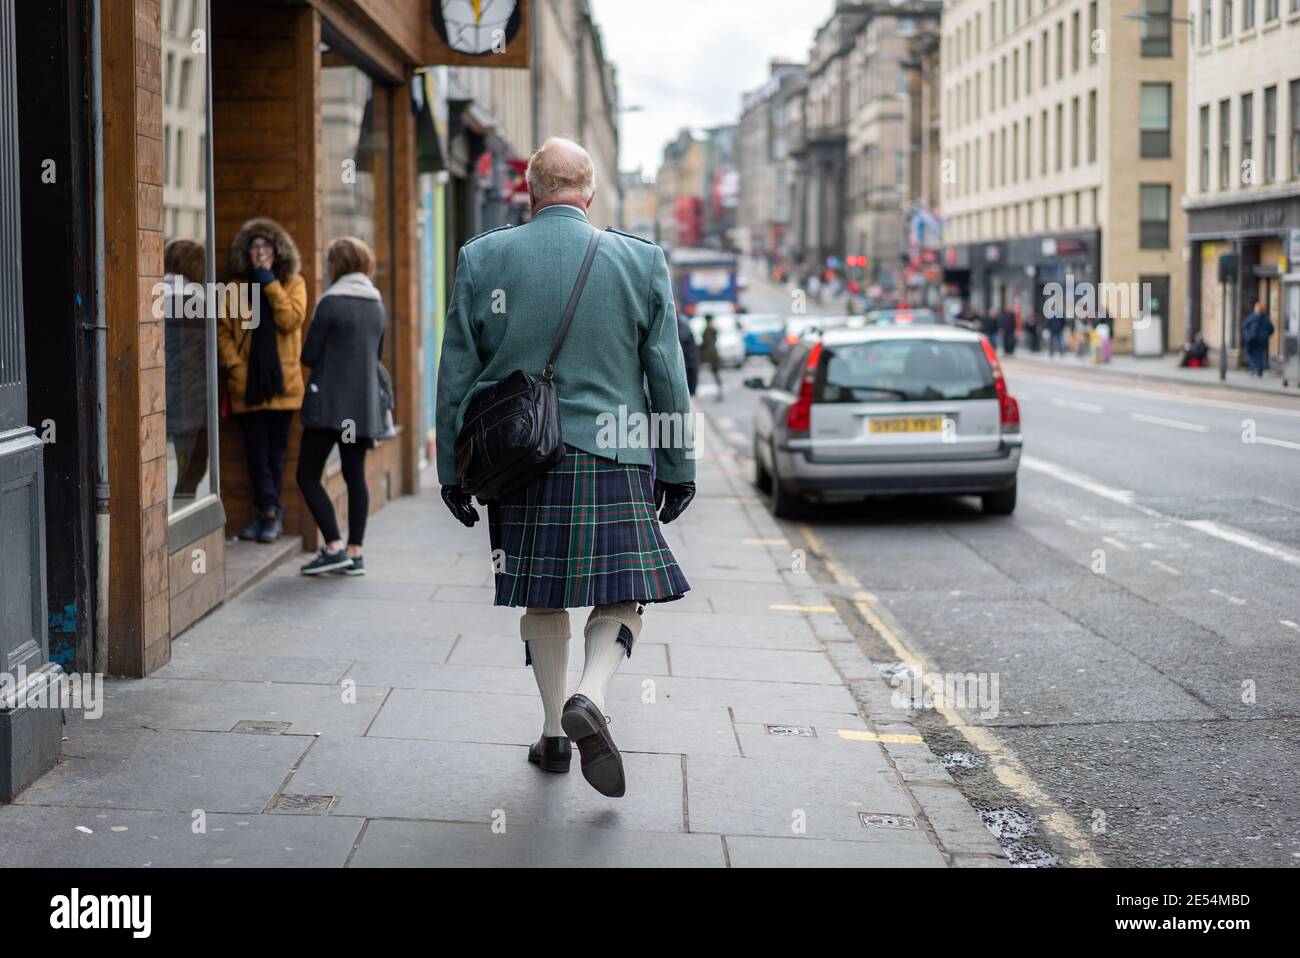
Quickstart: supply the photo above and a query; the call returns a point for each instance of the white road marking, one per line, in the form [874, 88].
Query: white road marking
[1165, 568]
[1231, 598]
[1079, 406]
[1151, 394]
[1211, 528]
[1290, 625]
[1171, 423]
[1281, 443]
[1076, 479]
[1116, 543]
[1125, 497]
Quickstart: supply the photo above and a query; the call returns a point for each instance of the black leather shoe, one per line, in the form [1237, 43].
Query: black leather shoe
[551, 754]
[602, 766]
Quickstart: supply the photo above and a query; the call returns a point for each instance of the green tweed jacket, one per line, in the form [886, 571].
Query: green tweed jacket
[512, 285]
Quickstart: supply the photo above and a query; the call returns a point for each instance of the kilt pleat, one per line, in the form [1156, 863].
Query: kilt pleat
[583, 535]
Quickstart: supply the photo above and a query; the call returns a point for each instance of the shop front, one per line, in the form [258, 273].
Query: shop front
[1240, 254]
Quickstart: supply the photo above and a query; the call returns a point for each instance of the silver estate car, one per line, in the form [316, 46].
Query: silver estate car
[883, 410]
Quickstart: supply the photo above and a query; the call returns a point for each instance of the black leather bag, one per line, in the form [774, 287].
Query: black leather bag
[512, 436]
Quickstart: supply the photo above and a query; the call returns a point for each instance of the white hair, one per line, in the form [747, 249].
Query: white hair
[561, 168]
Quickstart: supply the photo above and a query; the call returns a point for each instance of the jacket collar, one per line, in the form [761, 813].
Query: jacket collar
[572, 212]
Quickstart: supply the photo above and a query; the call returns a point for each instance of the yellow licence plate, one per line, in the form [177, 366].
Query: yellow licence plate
[907, 424]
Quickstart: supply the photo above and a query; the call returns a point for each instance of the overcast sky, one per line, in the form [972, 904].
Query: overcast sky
[686, 62]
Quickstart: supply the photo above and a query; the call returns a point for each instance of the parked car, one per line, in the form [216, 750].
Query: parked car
[761, 333]
[796, 327]
[886, 410]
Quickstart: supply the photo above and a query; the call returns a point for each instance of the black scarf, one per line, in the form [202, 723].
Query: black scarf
[265, 374]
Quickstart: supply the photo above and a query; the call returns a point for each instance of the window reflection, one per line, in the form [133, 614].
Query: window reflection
[185, 256]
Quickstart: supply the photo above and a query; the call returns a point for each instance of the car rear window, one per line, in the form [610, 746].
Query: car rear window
[903, 370]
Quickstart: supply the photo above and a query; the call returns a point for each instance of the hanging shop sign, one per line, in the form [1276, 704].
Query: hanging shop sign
[478, 33]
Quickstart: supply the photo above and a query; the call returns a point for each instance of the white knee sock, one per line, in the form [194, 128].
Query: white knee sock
[605, 653]
[547, 635]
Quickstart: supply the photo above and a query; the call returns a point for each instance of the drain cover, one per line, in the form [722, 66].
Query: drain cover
[879, 820]
[259, 727]
[799, 731]
[307, 803]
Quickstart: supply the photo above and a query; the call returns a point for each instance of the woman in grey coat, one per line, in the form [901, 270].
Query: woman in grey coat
[343, 405]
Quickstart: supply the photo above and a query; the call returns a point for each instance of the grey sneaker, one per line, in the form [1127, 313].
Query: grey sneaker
[356, 566]
[327, 561]
[272, 526]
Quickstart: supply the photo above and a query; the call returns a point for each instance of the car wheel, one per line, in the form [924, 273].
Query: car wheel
[1000, 503]
[783, 504]
[762, 478]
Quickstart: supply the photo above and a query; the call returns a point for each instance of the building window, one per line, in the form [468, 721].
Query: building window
[1225, 143]
[1248, 14]
[1075, 62]
[1205, 149]
[1002, 157]
[1029, 67]
[1092, 31]
[1042, 144]
[1155, 119]
[1156, 29]
[1271, 9]
[1074, 131]
[1015, 152]
[1029, 147]
[1060, 136]
[1294, 106]
[1092, 126]
[1154, 206]
[1270, 134]
[1043, 58]
[1225, 25]
[1248, 139]
[1207, 22]
[1060, 49]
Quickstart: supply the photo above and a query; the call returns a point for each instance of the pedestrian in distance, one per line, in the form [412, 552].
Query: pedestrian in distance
[344, 405]
[709, 354]
[990, 325]
[1007, 330]
[1055, 332]
[1257, 330]
[585, 534]
[260, 357]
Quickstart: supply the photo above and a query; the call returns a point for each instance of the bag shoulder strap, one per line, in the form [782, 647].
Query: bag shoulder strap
[549, 372]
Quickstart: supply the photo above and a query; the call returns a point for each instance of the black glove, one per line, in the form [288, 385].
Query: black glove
[461, 505]
[673, 497]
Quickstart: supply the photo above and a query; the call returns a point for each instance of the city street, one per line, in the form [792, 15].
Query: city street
[1139, 609]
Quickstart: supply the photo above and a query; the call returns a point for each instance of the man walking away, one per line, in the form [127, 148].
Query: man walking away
[690, 353]
[709, 354]
[1256, 333]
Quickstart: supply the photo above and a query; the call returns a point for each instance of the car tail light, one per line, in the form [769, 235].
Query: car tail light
[798, 419]
[791, 339]
[1008, 408]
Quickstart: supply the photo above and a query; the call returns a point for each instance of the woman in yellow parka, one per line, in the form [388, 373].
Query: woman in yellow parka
[259, 354]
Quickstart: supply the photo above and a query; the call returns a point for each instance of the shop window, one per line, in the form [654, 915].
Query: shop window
[347, 144]
[188, 263]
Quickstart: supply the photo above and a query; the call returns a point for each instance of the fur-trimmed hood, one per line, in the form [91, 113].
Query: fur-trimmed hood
[288, 262]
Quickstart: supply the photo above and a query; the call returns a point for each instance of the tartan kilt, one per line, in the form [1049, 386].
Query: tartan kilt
[583, 535]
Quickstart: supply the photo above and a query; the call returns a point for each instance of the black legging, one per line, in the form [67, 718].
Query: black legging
[314, 450]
